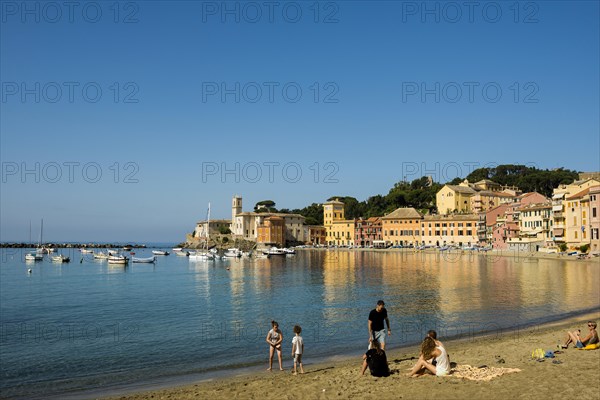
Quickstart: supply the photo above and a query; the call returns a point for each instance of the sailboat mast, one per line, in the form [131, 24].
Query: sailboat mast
[208, 226]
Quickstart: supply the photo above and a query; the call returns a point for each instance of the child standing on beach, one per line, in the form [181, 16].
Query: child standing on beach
[297, 348]
[274, 338]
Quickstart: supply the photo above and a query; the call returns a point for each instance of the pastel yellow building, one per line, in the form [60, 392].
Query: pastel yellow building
[577, 219]
[456, 229]
[454, 198]
[402, 227]
[561, 224]
[339, 231]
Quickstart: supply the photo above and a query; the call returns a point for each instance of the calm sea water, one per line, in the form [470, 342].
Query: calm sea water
[67, 328]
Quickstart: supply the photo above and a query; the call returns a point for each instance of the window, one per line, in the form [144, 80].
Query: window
[594, 214]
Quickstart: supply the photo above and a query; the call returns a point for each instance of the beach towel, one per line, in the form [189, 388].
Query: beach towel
[590, 347]
[480, 374]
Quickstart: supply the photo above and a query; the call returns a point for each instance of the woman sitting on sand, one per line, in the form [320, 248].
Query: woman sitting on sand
[575, 337]
[376, 360]
[429, 350]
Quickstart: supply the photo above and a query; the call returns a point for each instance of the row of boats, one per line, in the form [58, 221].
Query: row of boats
[116, 257]
[213, 253]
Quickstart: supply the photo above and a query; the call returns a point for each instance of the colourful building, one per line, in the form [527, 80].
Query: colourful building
[455, 229]
[473, 197]
[367, 232]
[559, 208]
[339, 231]
[244, 225]
[317, 235]
[402, 227]
[271, 231]
[535, 227]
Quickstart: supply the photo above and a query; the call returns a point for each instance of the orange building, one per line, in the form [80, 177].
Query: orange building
[317, 234]
[272, 231]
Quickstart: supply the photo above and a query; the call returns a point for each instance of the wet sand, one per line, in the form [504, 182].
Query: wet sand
[575, 377]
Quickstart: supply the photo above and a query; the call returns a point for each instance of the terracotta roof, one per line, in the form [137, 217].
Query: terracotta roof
[535, 206]
[579, 195]
[403, 212]
[452, 217]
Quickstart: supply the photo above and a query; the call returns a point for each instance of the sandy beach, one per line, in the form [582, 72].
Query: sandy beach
[572, 374]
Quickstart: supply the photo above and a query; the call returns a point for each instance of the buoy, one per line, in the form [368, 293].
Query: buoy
[29, 271]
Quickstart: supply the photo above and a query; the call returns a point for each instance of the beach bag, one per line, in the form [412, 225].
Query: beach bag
[537, 354]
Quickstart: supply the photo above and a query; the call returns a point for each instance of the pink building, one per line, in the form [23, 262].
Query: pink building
[502, 222]
[367, 231]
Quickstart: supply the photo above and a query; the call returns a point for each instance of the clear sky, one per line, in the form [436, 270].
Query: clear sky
[119, 119]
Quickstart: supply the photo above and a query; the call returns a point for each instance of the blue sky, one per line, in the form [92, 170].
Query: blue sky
[120, 131]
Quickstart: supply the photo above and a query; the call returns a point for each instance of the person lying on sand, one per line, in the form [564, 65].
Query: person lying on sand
[429, 350]
[575, 337]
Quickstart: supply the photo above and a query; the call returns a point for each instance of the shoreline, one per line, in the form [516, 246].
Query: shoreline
[462, 253]
[341, 379]
[211, 384]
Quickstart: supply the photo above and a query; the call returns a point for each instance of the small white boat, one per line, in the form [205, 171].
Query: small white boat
[198, 256]
[147, 260]
[86, 251]
[117, 259]
[233, 252]
[60, 258]
[181, 253]
[160, 253]
[33, 257]
[274, 251]
[289, 251]
[101, 256]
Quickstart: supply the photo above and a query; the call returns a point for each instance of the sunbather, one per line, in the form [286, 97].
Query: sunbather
[575, 337]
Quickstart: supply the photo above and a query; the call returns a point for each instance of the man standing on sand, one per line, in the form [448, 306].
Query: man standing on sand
[376, 328]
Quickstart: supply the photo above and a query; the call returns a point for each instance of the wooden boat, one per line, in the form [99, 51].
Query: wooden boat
[147, 260]
[160, 253]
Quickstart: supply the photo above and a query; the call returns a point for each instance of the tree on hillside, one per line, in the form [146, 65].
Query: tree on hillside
[312, 213]
[527, 179]
[265, 206]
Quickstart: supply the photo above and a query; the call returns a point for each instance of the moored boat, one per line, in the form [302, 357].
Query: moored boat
[274, 251]
[33, 257]
[160, 253]
[60, 258]
[233, 252]
[147, 260]
[117, 259]
[101, 256]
